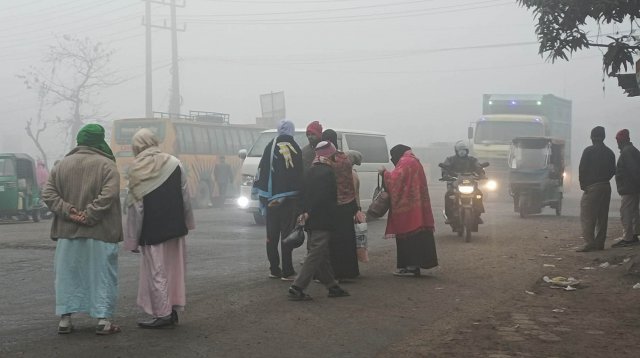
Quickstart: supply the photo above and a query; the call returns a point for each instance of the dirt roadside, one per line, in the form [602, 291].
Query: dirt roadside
[600, 318]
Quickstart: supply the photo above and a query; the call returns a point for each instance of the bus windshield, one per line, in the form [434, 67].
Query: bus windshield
[266, 137]
[125, 130]
[7, 168]
[488, 132]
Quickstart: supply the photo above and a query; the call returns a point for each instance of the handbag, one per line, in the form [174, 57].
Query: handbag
[381, 201]
[296, 238]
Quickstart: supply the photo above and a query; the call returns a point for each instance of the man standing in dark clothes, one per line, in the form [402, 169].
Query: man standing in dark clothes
[314, 135]
[319, 215]
[278, 185]
[597, 167]
[628, 183]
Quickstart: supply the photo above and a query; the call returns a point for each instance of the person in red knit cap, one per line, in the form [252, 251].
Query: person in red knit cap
[314, 134]
[628, 183]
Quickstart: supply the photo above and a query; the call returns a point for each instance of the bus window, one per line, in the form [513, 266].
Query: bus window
[372, 147]
[185, 138]
[222, 143]
[232, 140]
[124, 130]
[201, 140]
[245, 138]
[214, 146]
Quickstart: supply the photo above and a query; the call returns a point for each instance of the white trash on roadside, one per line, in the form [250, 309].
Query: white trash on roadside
[567, 284]
[605, 265]
[636, 286]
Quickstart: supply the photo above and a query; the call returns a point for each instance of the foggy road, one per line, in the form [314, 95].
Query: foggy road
[233, 309]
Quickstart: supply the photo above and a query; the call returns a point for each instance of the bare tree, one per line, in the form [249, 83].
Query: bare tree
[77, 69]
[40, 124]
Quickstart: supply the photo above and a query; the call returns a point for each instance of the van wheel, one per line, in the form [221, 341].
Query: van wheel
[523, 206]
[259, 219]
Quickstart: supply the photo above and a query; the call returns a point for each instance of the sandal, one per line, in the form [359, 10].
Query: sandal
[107, 329]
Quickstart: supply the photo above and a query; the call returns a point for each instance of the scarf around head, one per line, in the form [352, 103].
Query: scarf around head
[397, 152]
[92, 135]
[286, 127]
[410, 202]
[151, 167]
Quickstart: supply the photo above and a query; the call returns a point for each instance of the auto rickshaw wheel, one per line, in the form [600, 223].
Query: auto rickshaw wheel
[522, 208]
[559, 208]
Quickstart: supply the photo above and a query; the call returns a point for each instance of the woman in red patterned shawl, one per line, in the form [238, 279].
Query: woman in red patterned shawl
[410, 219]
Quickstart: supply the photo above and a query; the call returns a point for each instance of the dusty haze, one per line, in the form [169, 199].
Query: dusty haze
[415, 70]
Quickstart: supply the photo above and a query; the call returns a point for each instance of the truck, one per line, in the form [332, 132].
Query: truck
[507, 116]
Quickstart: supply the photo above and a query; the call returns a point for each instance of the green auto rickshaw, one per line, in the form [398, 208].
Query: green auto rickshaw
[536, 173]
[19, 192]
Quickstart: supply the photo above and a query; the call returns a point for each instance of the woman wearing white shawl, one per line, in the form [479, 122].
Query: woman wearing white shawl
[158, 219]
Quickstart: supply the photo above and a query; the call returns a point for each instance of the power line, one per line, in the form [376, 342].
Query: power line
[351, 18]
[325, 10]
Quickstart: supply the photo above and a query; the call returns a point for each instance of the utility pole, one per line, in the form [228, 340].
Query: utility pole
[174, 103]
[148, 103]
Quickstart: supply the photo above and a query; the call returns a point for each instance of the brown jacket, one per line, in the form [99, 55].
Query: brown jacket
[87, 181]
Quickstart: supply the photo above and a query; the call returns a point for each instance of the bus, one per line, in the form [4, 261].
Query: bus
[200, 140]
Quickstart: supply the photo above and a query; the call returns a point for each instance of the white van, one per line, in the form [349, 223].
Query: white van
[372, 145]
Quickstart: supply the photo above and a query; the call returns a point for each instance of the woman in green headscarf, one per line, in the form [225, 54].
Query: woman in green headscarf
[92, 135]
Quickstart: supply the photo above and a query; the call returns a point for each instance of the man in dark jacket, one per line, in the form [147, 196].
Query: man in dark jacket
[278, 184]
[597, 167]
[455, 165]
[319, 216]
[628, 183]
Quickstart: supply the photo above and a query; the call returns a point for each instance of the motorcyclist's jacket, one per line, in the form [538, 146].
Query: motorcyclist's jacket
[456, 165]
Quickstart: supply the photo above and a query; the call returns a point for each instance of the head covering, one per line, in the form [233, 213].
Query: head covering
[315, 128]
[461, 148]
[597, 133]
[286, 127]
[354, 156]
[151, 167]
[92, 135]
[325, 149]
[623, 136]
[330, 135]
[397, 152]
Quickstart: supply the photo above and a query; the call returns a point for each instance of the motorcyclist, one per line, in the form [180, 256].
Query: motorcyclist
[457, 164]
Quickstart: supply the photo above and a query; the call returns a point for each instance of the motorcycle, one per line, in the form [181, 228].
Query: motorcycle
[466, 199]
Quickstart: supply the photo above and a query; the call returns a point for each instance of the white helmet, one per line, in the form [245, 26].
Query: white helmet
[461, 148]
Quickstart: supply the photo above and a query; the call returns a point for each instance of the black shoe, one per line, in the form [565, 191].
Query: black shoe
[480, 221]
[296, 294]
[174, 316]
[626, 243]
[157, 322]
[404, 272]
[337, 291]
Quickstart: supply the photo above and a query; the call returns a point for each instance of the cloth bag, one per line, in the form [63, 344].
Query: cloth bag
[381, 201]
[296, 238]
[361, 242]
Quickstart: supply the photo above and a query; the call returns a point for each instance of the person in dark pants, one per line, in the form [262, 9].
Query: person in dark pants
[319, 216]
[278, 184]
[628, 184]
[224, 177]
[597, 167]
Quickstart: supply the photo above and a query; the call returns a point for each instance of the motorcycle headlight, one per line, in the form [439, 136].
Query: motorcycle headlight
[247, 180]
[465, 189]
[491, 185]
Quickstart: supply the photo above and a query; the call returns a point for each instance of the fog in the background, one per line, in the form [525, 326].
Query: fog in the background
[415, 70]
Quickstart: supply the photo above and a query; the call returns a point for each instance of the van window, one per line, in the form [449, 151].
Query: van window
[372, 147]
[266, 137]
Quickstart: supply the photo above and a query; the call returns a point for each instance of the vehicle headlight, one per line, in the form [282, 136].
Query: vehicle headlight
[491, 185]
[465, 189]
[247, 180]
[243, 202]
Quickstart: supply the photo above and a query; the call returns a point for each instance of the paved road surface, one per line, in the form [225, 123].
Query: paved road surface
[234, 310]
